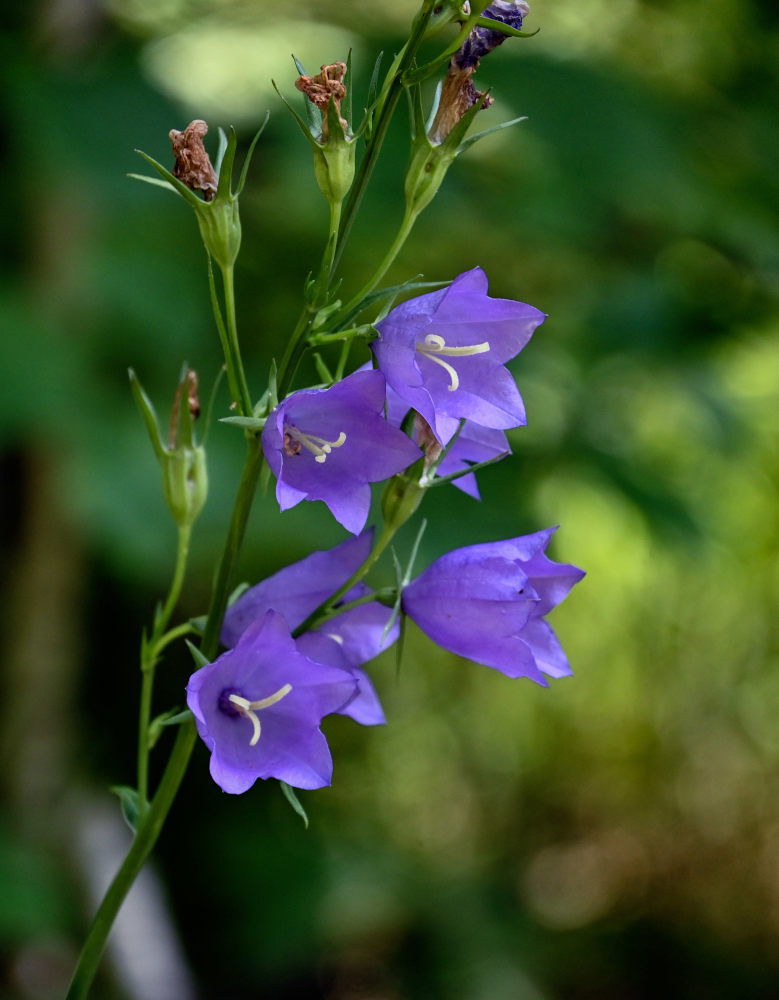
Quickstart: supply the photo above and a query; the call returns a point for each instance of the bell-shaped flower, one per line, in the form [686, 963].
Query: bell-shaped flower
[348, 641]
[258, 708]
[487, 603]
[444, 353]
[330, 444]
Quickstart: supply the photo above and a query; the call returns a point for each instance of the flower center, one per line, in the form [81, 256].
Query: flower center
[235, 704]
[320, 448]
[434, 346]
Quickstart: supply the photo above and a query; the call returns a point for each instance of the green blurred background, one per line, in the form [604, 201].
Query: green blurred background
[615, 836]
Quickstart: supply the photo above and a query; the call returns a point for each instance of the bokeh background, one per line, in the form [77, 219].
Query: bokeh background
[615, 836]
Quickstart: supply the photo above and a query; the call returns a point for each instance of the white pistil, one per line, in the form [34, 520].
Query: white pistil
[434, 346]
[249, 709]
[319, 447]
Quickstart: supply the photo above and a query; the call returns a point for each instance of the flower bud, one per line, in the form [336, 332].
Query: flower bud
[182, 461]
[481, 41]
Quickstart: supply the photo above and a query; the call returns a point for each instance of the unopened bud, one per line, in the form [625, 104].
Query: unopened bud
[193, 164]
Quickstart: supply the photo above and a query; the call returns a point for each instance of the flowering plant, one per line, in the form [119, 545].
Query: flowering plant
[429, 407]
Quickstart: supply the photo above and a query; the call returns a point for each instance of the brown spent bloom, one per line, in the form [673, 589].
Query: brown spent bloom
[458, 96]
[320, 88]
[193, 402]
[193, 165]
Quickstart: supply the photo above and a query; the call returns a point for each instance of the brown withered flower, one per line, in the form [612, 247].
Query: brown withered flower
[458, 96]
[193, 165]
[320, 88]
[193, 402]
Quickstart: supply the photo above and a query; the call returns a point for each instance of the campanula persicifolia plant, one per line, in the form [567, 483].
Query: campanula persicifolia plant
[416, 395]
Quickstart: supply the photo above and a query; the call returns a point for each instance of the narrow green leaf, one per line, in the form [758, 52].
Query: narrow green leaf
[147, 412]
[487, 131]
[346, 104]
[304, 128]
[157, 181]
[294, 801]
[226, 166]
[249, 154]
[197, 656]
[173, 717]
[174, 182]
[248, 423]
[128, 799]
[313, 114]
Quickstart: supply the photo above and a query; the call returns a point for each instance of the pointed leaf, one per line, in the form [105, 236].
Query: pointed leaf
[248, 423]
[147, 412]
[301, 124]
[157, 181]
[174, 182]
[226, 167]
[346, 104]
[249, 154]
[313, 114]
[199, 657]
[220, 152]
[488, 131]
[294, 801]
[128, 799]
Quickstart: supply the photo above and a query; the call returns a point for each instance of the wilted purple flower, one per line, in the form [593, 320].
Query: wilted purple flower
[348, 640]
[444, 353]
[258, 708]
[487, 602]
[329, 444]
[482, 41]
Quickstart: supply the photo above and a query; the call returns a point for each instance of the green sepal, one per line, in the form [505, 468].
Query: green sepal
[248, 423]
[198, 624]
[223, 191]
[175, 183]
[303, 126]
[294, 801]
[149, 416]
[467, 143]
[313, 114]
[199, 657]
[173, 717]
[249, 155]
[128, 799]
[504, 29]
[433, 480]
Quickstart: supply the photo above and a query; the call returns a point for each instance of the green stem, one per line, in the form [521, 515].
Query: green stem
[145, 838]
[402, 235]
[148, 662]
[387, 109]
[150, 826]
[244, 399]
[322, 613]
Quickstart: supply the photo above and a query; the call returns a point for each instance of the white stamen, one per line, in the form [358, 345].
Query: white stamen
[249, 709]
[434, 345]
[319, 447]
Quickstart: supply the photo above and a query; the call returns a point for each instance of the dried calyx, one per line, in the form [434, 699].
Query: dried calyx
[193, 165]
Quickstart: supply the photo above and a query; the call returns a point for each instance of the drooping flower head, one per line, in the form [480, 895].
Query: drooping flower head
[329, 444]
[347, 641]
[487, 603]
[444, 353]
[258, 708]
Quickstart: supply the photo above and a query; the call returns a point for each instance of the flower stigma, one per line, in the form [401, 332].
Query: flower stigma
[249, 709]
[434, 345]
[320, 448]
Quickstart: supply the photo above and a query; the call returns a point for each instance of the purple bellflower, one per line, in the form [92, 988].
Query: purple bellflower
[487, 603]
[330, 444]
[444, 353]
[348, 641]
[258, 708]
